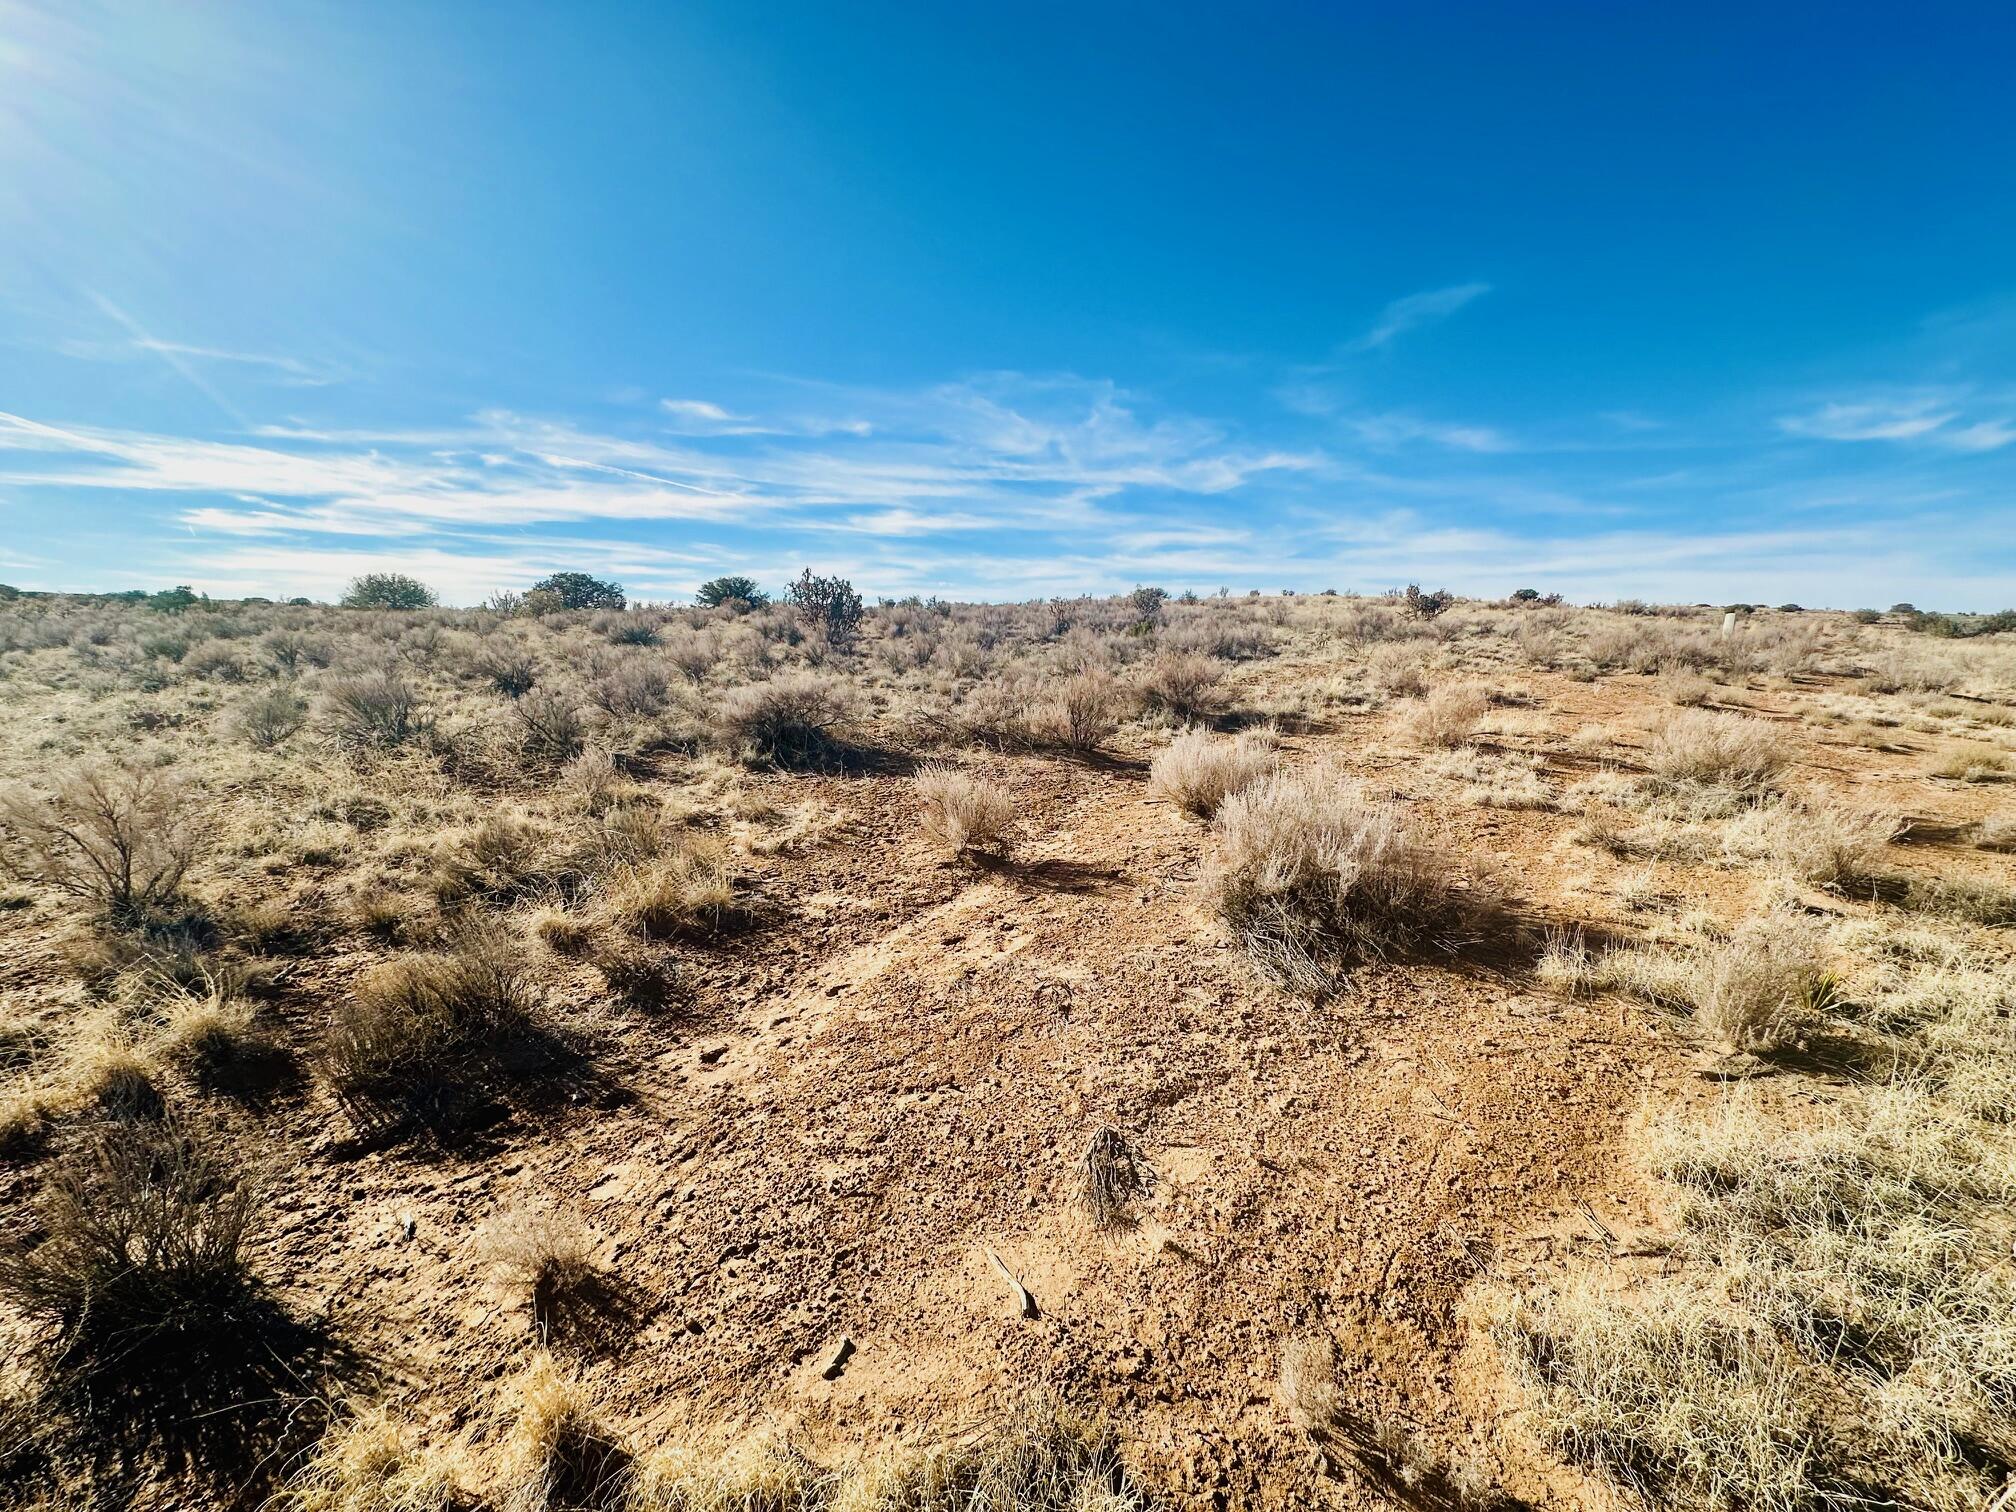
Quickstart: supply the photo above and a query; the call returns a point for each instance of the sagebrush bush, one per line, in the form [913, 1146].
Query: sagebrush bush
[428, 1034]
[549, 726]
[1197, 772]
[508, 667]
[960, 812]
[1724, 750]
[793, 721]
[1079, 712]
[122, 835]
[267, 719]
[1314, 879]
[140, 1256]
[1182, 685]
[374, 709]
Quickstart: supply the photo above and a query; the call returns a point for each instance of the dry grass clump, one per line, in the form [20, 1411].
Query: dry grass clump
[497, 859]
[1995, 833]
[549, 1261]
[793, 721]
[757, 1476]
[960, 812]
[1449, 716]
[1972, 763]
[1825, 842]
[1397, 1460]
[1666, 1394]
[1569, 965]
[687, 891]
[558, 1453]
[427, 1034]
[1399, 669]
[1314, 879]
[1839, 1331]
[1767, 985]
[1723, 750]
[1042, 1457]
[1514, 780]
[1111, 1175]
[372, 1461]
[121, 835]
[1182, 685]
[116, 1078]
[1197, 772]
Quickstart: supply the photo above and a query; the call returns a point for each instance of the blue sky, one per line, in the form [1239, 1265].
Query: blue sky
[1696, 302]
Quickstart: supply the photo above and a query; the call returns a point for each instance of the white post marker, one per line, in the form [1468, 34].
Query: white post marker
[1728, 624]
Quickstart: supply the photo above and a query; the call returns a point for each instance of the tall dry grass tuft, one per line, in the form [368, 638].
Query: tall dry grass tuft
[1767, 985]
[1723, 750]
[960, 812]
[1314, 879]
[425, 1037]
[1449, 716]
[374, 1461]
[686, 891]
[558, 1453]
[1197, 772]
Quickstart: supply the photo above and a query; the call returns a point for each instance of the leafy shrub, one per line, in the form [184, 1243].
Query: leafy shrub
[732, 590]
[1147, 603]
[627, 629]
[632, 689]
[577, 590]
[121, 835]
[1426, 606]
[388, 590]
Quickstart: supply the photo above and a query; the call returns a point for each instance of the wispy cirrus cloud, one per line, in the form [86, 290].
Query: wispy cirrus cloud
[1947, 418]
[1415, 311]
